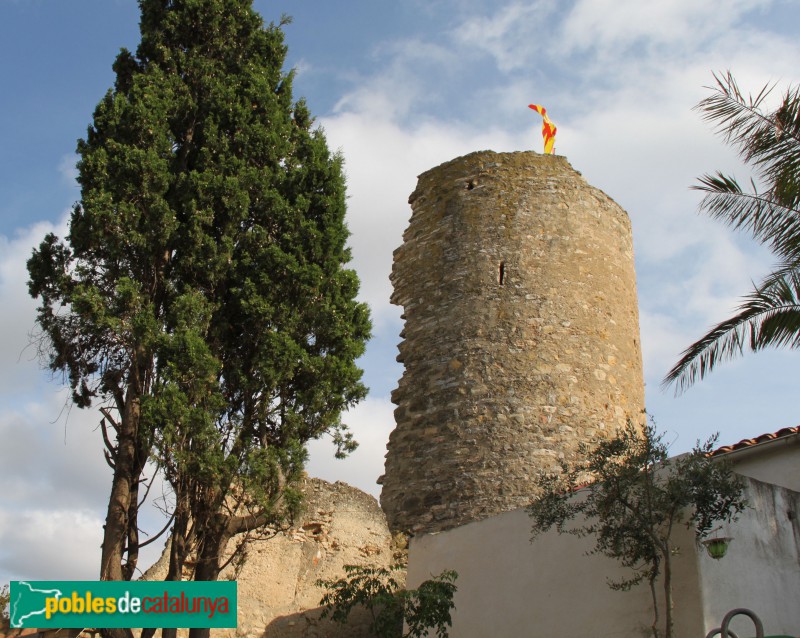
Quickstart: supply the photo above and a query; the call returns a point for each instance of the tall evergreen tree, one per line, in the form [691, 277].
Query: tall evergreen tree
[202, 295]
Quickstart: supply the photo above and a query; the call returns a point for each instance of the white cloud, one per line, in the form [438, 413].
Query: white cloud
[53, 455]
[382, 161]
[50, 544]
[55, 480]
[398, 87]
[614, 26]
[626, 122]
[370, 422]
[68, 169]
[512, 35]
[19, 369]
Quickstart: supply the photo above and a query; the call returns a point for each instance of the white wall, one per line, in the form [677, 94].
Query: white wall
[761, 570]
[776, 462]
[508, 586]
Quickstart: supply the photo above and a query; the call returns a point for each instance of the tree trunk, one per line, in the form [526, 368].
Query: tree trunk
[179, 544]
[654, 595]
[209, 559]
[124, 491]
[141, 457]
[668, 630]
[123, 487]
[131, 548]
[199, 632]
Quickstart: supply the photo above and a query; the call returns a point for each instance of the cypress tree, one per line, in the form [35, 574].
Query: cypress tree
[201, 296]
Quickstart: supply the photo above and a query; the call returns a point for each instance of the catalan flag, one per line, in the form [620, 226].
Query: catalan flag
[548, 128]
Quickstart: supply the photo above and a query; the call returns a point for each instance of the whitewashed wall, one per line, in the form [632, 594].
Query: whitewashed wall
[776, 461]
[508, 586]
[761, 570]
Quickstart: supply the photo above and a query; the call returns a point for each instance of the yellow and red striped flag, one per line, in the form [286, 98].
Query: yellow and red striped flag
[548, 128]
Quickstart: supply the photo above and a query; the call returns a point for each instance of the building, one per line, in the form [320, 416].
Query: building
[509, 586]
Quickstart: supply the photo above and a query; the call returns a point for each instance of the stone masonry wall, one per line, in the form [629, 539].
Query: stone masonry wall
[521, 335]
[278, 593]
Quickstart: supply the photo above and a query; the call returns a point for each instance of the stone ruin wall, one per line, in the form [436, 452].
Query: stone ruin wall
[278, 595]
[521, 335]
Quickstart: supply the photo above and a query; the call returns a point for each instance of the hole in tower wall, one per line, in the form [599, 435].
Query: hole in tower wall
[501, 275]
[471, 184]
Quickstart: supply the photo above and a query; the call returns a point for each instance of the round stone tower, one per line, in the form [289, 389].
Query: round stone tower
[521, 335]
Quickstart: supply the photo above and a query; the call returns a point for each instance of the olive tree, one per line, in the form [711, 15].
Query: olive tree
[629, 496]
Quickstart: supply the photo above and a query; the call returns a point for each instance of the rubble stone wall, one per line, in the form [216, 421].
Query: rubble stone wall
[278, 593]
[521, 335]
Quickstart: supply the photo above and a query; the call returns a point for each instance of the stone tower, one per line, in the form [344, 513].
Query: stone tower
[521, 335]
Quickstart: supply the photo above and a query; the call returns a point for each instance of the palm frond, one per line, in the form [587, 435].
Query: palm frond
[770, 141]
[770, 221]
[769, 316]
[781, 326]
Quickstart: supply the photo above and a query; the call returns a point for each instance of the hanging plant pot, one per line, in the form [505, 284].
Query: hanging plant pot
[717, 547]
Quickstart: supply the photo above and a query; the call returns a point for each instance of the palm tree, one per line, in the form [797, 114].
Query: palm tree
[769, 141]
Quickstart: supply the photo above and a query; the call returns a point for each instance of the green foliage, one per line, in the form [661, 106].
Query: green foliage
[376, 589]
[769, 141]
[628, 495]
[202, 290]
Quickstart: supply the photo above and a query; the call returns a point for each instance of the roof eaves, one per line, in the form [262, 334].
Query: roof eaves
[759, 440]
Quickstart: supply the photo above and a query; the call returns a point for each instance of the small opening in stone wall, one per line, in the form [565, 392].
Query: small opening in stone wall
[471, 184]
[501, 276]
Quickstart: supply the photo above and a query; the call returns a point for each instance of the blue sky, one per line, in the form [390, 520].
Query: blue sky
[400, 87]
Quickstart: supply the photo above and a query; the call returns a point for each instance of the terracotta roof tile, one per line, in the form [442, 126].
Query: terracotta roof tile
[744, 443]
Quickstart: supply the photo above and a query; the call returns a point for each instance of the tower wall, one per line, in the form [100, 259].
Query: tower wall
[521, 335]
